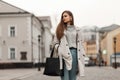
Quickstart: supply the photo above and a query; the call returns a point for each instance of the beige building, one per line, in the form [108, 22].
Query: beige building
[104, 43]
[89, 35]
[107, 44]
[19, 32]
[90, 48]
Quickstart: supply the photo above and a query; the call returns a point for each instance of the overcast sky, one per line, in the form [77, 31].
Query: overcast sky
[86, 12]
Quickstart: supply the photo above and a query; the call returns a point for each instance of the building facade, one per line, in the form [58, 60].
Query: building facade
[19, 32]
[107, 45]
[46, 37]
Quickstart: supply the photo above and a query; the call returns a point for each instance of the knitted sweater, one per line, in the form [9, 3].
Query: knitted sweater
[71, 36]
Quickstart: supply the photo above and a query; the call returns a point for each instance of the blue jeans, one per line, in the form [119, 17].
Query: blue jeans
[71, 74]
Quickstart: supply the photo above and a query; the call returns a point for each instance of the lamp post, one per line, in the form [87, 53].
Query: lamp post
[115, 64]
[39, 53]
[100, 57]
[99, 49]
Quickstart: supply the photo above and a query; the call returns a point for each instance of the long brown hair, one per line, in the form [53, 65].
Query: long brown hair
[62, 26]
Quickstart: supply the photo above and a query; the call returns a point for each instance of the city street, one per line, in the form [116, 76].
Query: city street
[92, 73]
[102, 73]
[33, 30]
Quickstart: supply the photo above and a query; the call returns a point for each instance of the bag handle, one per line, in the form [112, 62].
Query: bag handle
[51, 55]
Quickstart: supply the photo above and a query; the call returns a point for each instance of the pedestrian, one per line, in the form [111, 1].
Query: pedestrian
[69, 42]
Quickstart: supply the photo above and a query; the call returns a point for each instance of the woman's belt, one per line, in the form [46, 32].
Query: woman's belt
[72, 48]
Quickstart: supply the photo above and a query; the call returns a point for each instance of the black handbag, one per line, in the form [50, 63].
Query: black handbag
[52, 66]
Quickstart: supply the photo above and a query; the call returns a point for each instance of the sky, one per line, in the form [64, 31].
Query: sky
[86, 12]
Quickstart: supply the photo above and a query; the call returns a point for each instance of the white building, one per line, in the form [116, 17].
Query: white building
[46, 37]
[19, 32]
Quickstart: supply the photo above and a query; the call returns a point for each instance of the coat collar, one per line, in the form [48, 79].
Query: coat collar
[77, 29]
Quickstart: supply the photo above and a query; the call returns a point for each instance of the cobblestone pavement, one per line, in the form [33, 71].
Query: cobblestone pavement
[15, 74]
[40, 76]
[101, 73]
[91, 73]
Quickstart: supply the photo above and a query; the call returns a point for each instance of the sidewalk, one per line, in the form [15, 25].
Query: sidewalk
[17, 74]
[34, 74]
[112, 68]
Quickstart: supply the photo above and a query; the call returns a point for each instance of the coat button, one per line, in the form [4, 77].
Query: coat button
[79, 58]
[66, 44]
[69, 53]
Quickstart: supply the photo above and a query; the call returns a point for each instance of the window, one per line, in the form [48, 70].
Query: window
[0, 53]
[12, 53]
[93, 37]
[12, 31]
[0, 31]
[23, 55]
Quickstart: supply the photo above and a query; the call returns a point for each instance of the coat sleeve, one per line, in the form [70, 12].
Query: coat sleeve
[81, 38]
[55, 45]
[55, 41]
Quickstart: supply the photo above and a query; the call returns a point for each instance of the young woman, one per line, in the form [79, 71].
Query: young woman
[68, 40]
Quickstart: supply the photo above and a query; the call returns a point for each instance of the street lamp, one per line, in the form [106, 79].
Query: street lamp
[98, 46]
[115, 64]
[39, 53]
[100, 57]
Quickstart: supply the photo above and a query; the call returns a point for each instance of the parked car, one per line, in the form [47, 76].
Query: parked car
[87, 59]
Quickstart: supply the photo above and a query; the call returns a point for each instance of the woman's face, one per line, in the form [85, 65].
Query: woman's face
[66, 18]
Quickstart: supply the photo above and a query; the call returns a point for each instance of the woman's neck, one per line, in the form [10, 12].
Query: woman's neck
[68, 23]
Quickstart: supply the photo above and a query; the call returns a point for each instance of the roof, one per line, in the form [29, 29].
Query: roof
[109, 28]
[6, 8]
[46, 19]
